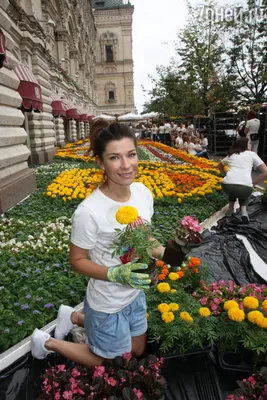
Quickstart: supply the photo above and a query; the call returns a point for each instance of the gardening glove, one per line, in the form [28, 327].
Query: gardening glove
[173, 255]
[123, 274]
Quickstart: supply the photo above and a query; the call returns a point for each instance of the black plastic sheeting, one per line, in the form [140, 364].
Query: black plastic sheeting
[193, 377]
[226, 256]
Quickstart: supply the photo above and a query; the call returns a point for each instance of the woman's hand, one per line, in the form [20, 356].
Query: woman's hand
[123, 274]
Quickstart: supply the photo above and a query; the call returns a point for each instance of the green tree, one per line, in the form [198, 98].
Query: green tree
[246, 50]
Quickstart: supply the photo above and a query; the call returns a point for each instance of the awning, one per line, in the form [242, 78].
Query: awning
[2, 48]
[59, 106]
[72, 112]
[83, 115]
[29, 88]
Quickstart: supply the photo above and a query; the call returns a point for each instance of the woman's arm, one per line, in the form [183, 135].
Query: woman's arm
[263, 174]
[222, 169]
[80, 263]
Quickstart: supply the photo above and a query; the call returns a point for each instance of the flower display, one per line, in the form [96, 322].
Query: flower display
[126, 215]
[251, 388]
[163, 307]
[174, 306]
[254, 316]
[118, 378]
[229, 304]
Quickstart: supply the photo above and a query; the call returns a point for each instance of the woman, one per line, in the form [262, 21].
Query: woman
[154, 131]
[252, 130]
[161, 133]
[237, 182]
[115, 305]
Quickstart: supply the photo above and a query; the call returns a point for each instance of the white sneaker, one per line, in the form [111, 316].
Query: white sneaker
[38, 340]
[64, 323]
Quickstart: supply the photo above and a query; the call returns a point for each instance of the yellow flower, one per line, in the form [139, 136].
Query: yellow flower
[147, 315]
[185, 316]
[250, 302]
[173, 290]
[253, 316]
[264, 305]
[167, 317]
[126, 215]
[204, 312]
[230, 304]
[174, 306]
[173, 276]
[235, 314]
[261, 322]
[163, 307]
[163, 287]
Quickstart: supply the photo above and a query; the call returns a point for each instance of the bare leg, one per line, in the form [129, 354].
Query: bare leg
[79, 353]
[139, 344]
[230, 209]
[77, 318]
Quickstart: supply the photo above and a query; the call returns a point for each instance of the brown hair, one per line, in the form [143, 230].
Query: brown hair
[103, 132]
[185, 138]
[251, 114]
[238, 146]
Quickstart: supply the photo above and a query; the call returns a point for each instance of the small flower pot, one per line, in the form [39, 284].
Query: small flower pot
[151, 271]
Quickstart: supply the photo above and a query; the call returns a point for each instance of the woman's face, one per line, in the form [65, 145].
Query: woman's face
[120, 161]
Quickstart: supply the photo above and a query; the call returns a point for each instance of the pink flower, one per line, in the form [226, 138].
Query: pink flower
[127, 356]
[45, 382]
[75, 373]
[138, 393]
[141, 368]
[111, 381]
[203, 301]
[61, 368]
[67, 395]
[252, 380]
[99, 372]
[57, 396]
[55, 384]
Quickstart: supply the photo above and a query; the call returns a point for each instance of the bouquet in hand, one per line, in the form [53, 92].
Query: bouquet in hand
[134, 242]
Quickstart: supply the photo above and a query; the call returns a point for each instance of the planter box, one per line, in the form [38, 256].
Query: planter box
[168, 356]
[241, 361]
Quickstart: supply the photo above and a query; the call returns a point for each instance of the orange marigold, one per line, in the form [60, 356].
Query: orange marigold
[160, 263]
[180, 274]
[194, 262]
[162, 277]
[195, 270]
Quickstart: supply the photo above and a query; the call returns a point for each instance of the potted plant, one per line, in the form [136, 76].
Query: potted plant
[124, 378]
[186, 235]
[134, 242]
[251, 388]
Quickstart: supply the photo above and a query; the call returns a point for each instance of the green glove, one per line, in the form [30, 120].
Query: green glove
[123, 274]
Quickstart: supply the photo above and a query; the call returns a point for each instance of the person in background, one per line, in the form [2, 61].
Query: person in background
[154, 132]
[252, 130]
[161, 133]
[237, 182]
[204, 141]
[167, 127]
[179, 140]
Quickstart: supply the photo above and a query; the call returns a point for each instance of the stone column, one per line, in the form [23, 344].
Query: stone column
[87, 129]
[81, 130]
[73, 130]
[41, 126]
[16, 179]
[60, 134]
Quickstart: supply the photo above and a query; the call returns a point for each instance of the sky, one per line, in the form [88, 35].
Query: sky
[155, 27]
[156, 24]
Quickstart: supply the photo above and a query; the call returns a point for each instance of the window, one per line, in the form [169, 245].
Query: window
[111, 95]
[109, 54]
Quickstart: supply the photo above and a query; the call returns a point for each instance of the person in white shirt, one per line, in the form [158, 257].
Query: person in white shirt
[161, 133]
[237, 182]
[168, 128]
[252, 130]
[204, 141]
[179, 141]
[115, 306]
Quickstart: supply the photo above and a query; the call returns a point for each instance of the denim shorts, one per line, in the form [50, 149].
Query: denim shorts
[110, 335]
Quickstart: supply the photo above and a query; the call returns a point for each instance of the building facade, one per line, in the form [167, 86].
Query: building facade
[114, 60]
[47, 85]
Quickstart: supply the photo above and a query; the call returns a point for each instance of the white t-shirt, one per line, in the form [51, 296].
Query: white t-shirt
[253, 126]
[93, 228]
[240, 167]
[167, 127]
[161, 129]
[191, 148]
[179, 142]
